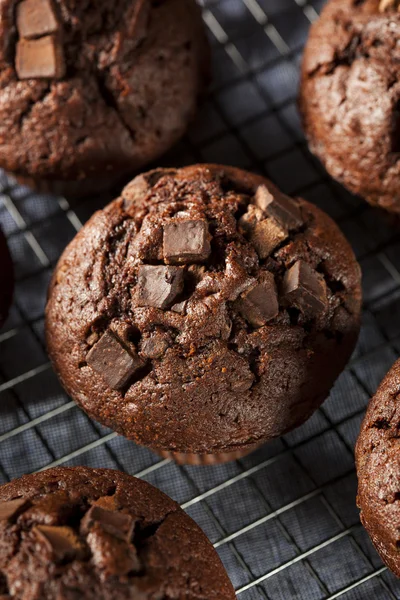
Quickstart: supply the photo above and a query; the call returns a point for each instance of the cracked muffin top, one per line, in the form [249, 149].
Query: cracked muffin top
[6, 279]
[96, 534]
[96, 88]
[203, 310]
[378, 469]
[350, 96]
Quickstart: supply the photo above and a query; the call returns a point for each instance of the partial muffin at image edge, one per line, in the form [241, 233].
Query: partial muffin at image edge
[91, 92]
[203, 312]
[350, 97]
[97, 534]
[378, 470]
[6, 279]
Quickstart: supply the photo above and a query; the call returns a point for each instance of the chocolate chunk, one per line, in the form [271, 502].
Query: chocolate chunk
[154, 347]
[186, 241]
[389, 5]
[260, 304]
[180, 308]
[62, 542]
[112, 556]
[10, 510]
[54, 509]
[266, 236]
[36, 18]
[159, 286]
[113, 361]
[305, 289]
[42, 58]
[281, 207]
[249, 220]
[92, 338]
[115, 523]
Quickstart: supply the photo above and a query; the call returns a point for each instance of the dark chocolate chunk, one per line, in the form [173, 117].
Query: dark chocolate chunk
[180, 308]
[11, 509]
[42, 58]
[251, 217]
[54, 509]
[389, 5]
[111, 555]
[260, 304]
[154, 347]
[159, 286]
[266, 236]
[36, 18]
[281, 207]
[113, 361]
[62, 542]
[118, 524]
[186, 241]
[305, 289]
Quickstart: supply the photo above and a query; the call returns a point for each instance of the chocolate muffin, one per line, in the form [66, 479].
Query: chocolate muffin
[350, 96]
[96, 534]
[378, 469]
[6, 279]
[203, 311]
[91, 91]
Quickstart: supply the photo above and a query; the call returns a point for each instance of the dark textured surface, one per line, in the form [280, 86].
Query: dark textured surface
[6, 279]
[132, 80]
[233, 374]
[350, 97]
[378, 470]
[284, 519]
[72, 539]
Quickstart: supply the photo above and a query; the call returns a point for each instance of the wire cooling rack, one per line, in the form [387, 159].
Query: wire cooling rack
[284, 519]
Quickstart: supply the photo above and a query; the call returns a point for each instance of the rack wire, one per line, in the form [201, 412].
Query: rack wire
[284, 519]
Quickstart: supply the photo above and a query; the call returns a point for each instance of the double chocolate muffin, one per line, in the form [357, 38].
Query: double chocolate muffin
[350, 96]
[96, 534]
[6, 279]
[91, 91]
[203, 312]
[378, 469]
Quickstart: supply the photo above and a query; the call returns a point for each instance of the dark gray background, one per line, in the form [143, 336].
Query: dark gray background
[284, 519]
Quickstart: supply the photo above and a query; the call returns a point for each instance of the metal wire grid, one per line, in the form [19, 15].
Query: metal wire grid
[283, 519]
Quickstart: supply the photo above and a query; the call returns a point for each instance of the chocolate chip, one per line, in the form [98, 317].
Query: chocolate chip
[305, 289]
[112, 556]
[251, 217]
[113, 361]
[186, 241]
[154, 347]
[266, 236]
[10, 510]
[159, 286]
[62, 542]
[36, 18]
[260, 304]
[42, 59]
[389, 4]
[118, 524]
[92, 338]
[281, 207]
[180, 308]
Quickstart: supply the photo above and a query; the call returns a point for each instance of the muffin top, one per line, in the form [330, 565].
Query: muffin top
[98, 534]
[96, 88]
[195, 312]
[350, 96]
[378, 469]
